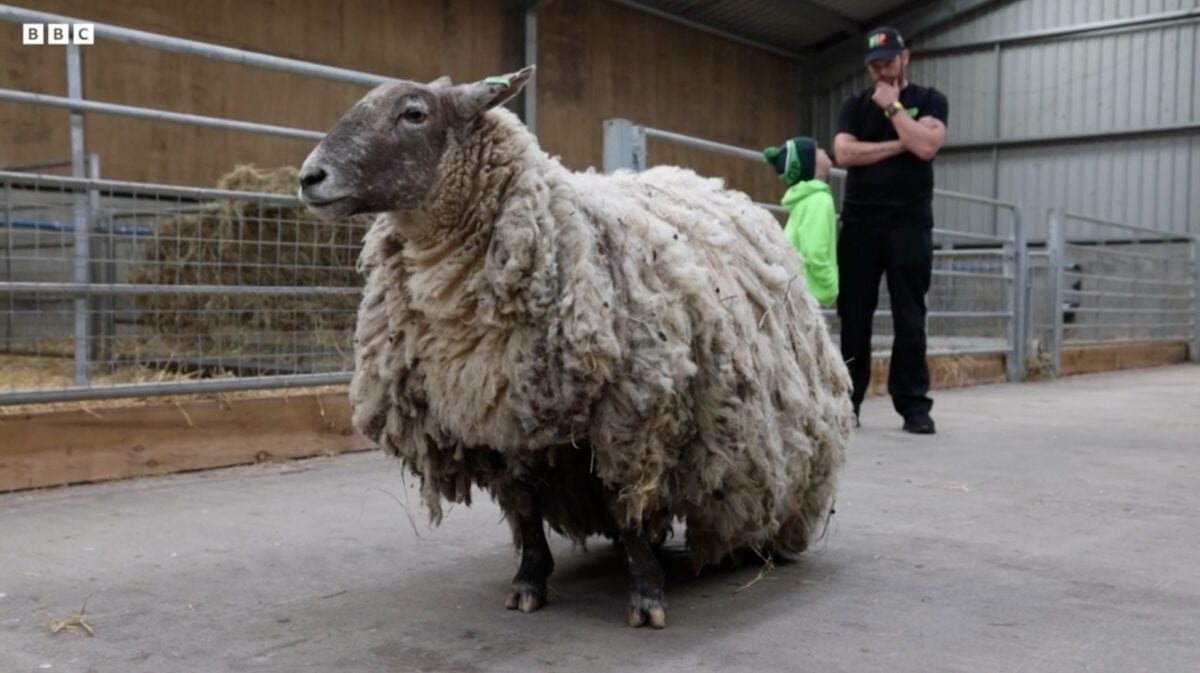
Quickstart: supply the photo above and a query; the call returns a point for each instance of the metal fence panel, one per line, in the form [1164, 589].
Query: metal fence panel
[978, 285]
[188, 287]
[1115, 282]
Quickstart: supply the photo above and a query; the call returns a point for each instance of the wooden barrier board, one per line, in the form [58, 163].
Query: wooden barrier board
[73, 446]
[946, 371]
[1111, 357]
[77, 445]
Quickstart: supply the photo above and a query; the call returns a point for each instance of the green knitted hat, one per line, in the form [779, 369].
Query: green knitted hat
[795, 160]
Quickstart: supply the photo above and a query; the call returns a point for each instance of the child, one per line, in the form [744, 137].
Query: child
[812, 221]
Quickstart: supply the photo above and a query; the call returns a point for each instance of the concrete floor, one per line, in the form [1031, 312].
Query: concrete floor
[1047, 527]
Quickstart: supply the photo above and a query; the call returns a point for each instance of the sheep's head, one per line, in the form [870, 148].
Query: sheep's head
[383, 154]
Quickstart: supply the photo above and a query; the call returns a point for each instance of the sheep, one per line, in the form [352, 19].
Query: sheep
[607, 354]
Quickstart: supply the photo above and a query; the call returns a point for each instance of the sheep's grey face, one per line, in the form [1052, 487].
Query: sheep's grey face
[382, 155]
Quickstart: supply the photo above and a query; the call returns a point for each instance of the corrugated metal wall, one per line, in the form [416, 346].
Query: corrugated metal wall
[1134, 78]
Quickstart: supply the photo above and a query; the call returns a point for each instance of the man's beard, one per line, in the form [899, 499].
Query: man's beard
[894, 81]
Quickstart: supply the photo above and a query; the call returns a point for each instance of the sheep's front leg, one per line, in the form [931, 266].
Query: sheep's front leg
[647, 584]
[529, 585]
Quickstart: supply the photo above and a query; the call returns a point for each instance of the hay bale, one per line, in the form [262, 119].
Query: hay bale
[251, 243]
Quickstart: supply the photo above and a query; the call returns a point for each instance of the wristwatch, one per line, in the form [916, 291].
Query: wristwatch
[892, 108]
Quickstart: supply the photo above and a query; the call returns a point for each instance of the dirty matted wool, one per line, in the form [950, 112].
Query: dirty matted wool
[641, 345]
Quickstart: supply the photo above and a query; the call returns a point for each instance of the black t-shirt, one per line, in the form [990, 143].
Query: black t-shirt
[903, 182]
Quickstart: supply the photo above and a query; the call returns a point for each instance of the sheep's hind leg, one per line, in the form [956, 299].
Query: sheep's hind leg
[647, 583]
[529, 585]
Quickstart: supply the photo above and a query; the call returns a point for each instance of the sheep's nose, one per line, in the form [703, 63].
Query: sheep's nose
[312, 176]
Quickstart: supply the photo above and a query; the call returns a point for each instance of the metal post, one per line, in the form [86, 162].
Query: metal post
[1057, 267]
[8, 260]
[1017, 307]
[1195, 349]
[531, 59]
[996, 148]
[102, 251]
[624, 146]
[81, 254]
[1027, 326]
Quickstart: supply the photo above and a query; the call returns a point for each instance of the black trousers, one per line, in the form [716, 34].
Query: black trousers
[899, 247]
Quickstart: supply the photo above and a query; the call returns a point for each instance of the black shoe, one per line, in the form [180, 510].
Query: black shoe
[919, 424]
[857, 423]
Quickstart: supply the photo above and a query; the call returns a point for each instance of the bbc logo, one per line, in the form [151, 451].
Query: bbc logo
[58, 33]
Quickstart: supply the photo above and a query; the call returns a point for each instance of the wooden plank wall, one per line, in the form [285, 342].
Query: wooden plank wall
[416, 39]
[597, 60]
[600, 60]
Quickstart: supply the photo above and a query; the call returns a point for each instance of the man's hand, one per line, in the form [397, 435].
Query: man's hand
[885, 93]
[930, 122]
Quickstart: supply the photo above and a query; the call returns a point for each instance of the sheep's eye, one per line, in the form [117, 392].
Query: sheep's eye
[413, 115]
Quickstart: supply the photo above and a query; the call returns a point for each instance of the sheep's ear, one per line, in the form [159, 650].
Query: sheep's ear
[441, 82]
[478, 97]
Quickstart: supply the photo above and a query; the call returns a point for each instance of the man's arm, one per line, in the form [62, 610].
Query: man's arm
[850, 151]
[923, 137]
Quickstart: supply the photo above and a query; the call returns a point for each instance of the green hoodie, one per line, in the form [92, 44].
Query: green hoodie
[812, 231]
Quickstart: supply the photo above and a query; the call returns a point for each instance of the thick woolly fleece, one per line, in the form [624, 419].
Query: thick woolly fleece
[639, 347]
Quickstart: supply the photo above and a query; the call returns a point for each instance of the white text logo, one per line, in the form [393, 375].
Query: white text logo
[58, 33]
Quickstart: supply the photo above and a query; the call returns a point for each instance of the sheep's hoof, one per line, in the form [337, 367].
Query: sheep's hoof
[643, 611]
[526, 597]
